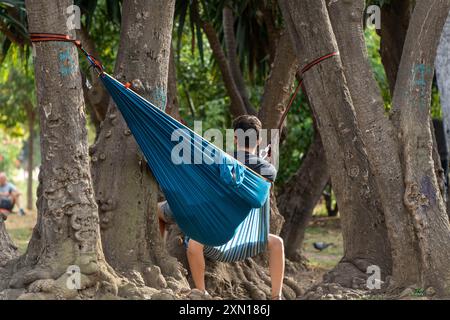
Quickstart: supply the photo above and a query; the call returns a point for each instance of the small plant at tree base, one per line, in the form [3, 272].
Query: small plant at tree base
[418, 292]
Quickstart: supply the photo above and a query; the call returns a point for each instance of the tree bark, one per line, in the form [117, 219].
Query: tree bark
[173, 107]
[348, 165]
[443, 76]
[8, 250]
[438, 170]
[30, 163]
[299, 197]
[395, 17]
[277, 89]
[126, 191]
[231, 47]
[411, 104]
[67, 230]
[442, 66]
[378, 135]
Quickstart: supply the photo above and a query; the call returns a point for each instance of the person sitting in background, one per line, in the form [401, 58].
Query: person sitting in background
[9, 196]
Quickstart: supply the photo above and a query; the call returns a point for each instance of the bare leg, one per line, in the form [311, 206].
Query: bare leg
[276, 264]
[197, 263]
[16, 201]
[161, 219]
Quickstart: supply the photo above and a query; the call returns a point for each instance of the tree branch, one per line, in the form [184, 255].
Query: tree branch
[11, 36]
[237, 104]
[230, 45]
[278, 86]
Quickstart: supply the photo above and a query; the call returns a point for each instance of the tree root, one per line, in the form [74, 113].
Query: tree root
[239, 280]
[8, 250]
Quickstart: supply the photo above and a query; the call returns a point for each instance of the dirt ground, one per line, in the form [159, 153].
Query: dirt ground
[321, 229]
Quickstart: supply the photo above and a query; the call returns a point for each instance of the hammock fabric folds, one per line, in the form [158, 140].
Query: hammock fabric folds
[216, 200]
[250, 238]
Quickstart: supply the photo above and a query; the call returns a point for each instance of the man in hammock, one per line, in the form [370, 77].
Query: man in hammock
[244, 126]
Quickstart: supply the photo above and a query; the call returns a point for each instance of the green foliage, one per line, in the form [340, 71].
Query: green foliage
[436, 108]
[16, 90]
[418, 292]
[201, 93]
[17, 98]
[300, 131]
[251, 32]
[13, 18]
[10, 148]
[103, 25]
[373, 47]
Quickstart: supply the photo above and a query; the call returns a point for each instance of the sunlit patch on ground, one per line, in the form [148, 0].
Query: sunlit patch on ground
[328, 230]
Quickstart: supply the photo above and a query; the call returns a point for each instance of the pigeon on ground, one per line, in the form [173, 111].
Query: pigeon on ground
[322, 245]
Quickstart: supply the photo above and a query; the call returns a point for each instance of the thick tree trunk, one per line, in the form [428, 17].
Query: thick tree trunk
[395, 16]
[67, 230]
[231, 47]
[353, 182]
[299, 197]
[442, 66]
[411, 104]
[8, 250]
[443, 76]
[378, 135]
[126, 192]
[30, 162]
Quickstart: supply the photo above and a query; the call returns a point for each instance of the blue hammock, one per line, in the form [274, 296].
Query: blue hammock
[218, 202]
[250, 238]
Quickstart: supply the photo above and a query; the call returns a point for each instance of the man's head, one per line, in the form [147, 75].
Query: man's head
[3, 179]
[247, 132]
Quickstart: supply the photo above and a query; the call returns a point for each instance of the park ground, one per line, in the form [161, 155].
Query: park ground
[321, 229]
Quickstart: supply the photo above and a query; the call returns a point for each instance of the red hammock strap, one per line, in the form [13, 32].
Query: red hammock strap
[44, 37]
[300, 82]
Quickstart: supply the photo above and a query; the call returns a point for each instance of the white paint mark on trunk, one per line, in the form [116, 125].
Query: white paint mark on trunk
[47, 109]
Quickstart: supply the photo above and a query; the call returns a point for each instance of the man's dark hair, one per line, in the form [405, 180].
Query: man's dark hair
[250, 126]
